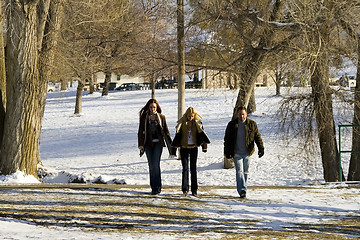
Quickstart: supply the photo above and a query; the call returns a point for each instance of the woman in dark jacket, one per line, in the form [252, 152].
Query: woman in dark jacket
[153, 135]
[189, 136]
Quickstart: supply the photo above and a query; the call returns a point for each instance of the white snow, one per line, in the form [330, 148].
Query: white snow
[101, 144]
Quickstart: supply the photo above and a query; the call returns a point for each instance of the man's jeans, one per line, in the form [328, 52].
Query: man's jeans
[242, 163]
[153, 155]
[185, 154]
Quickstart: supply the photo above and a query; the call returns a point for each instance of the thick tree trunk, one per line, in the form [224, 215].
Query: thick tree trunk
[79, 92]
[91, 87]
[325, 119]
[24, 99]
[2, 79]
[63, 84]
[247, 83]
[252, 105]
[354, 167]
[107, 81]
[322, 95]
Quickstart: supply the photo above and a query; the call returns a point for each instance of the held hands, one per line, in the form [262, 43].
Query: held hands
[261, 153]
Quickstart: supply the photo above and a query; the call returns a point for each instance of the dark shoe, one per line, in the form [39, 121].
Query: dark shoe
[155, 193]
[194, 194]
[185, 193]
[243, 194]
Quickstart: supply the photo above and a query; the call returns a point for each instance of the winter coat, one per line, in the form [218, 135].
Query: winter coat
[252, 136]
[199, 135]
[162, 131]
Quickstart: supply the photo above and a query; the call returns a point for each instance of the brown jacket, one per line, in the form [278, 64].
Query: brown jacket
[199, 135]
[252, 137]
[144, 132]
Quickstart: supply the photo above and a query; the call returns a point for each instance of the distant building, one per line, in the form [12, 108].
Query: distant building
[99, 77]
[216, 79]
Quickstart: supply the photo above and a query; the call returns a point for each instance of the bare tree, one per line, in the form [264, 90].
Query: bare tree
[31, 38]
[242, 34]
[316, 45]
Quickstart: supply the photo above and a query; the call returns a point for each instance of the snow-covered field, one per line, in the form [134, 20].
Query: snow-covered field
[101, 143]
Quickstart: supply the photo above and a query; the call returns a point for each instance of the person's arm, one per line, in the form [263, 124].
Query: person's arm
[227, 142]
[259, 142]
[141, 132]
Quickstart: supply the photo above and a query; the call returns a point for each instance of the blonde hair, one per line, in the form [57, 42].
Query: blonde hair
[190, 110]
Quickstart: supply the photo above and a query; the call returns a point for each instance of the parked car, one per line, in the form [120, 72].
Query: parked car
[166, 84]
[193, 84]
[128, 87]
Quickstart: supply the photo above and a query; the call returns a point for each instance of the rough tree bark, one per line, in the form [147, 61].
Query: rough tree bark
[29, 55]
[79, 92]
[107, 81]
[323, 105]
[2, 79]
[248, 79]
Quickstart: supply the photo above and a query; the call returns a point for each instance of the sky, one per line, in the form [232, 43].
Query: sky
[100, 144]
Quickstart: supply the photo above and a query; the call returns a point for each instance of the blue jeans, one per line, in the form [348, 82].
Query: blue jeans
[242, 163]
[153, 155]
[189, 154]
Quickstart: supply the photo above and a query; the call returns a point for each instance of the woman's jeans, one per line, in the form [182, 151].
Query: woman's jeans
[153, 155]
[242, 163]
[186, 155]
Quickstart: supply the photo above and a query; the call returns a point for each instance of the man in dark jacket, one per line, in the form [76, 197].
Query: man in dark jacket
[239, 143]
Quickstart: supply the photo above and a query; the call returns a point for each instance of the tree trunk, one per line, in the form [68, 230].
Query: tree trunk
[325, 118]
[181, 57]
[252, 105]
[152, 85]
[25, 89]
[79, 92]
[107, 81]
[63, 84]
[278, 83]
[248, 79]
[354, 167]
[2, 79]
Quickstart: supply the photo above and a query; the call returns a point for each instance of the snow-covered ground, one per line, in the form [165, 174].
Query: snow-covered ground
[102, 141]
[101, 144]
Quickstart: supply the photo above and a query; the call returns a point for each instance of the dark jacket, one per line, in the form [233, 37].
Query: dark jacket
[252, 135]
[198, 134]
[163, 134]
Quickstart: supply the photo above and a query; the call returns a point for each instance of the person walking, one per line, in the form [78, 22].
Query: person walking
[240, 135]
[189, 136]
[153, 135]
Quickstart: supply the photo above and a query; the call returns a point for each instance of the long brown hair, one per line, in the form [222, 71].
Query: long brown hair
[145, 109]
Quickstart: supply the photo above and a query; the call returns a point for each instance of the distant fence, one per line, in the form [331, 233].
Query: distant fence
[344, 151]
